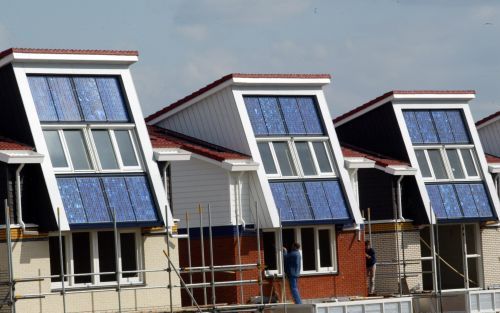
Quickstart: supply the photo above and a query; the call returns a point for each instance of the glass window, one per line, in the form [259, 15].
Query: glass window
[82, 257]
[325, 253]
[128, 254]
[285, 160]
[55, 259]
[305, 157]
[77, 149]
[56, 151]
[270, 251]
[437, 164]
[422, 163]
[469, 162]
[455, 164]
[322, 157]
[107, 259]
[105, 149]
[267, 158]
[308, 249]
[126, 148]
[288, 237]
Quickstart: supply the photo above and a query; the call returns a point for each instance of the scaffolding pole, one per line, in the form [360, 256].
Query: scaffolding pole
[238, 240]
[189, 252]
[259, 260]
[9, 258]
[61, 259]
[202, 245]
[117, 263]
[212, 272]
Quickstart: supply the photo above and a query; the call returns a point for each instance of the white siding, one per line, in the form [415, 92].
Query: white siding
[197, 182]
[247, 208]
[490, 138]
[214, 119]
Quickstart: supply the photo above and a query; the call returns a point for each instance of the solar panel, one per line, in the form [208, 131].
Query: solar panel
[118, 199]
[458, 126]
[450, 201]
[272, 116]
[298, 201]
[319, 202]
[64, 98]
[292, 116]
[310, 116]
[481, 199]
[442, 126]
[466, 200]
[42, 98]
[335, 196]
[436, 201]
[412, 126]
[89, 99]
[255, 115]
[141, 198]
[93, 200]
[281, 201]
[72, 202]
[112, 99]
[426, 126]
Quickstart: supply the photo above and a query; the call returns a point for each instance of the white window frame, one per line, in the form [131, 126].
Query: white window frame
[319, 270]
[442, 150]
[69, 281]
[92, 149]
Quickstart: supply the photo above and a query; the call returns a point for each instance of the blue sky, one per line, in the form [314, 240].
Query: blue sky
[369, 47]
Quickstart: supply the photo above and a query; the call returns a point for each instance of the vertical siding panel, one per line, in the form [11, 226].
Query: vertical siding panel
[490, 138]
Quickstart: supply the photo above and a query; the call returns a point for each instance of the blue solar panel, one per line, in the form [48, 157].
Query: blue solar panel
[310, 116]
[317, 197]
[64, 98]
[42, 98]
[72, 202]
[255, 115]
[112, 99]
[292, 116]
[141, 198]
[412, 126]
[272, 116]
[119, 199]
[281, 201]
[298, 201]
[458, 126]
[335, 196]
[426, 126]
[436, 201]
[93, 200]
[443, 126]
[466, 200]
[450, 201]
[90, 101]
[481, 199]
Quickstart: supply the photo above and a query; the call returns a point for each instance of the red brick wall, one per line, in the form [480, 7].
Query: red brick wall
[350, 280]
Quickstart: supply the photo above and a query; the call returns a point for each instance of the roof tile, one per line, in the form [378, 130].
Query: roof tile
[381, 160]
[9, 144]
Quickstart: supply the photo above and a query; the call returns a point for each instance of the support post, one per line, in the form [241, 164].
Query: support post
[434, 260]
[202, 245]
[9, 258]
[117, 263]
[61, 259]
[259, 260]
[169, 271]
[212, 272]
[189, 253]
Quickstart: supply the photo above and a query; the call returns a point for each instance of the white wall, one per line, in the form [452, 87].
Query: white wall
[490, 138]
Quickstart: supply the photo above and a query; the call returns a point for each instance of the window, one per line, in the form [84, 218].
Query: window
[296, 158]
[94, 252]
[89, 149]
[447, 163]
[317, 248]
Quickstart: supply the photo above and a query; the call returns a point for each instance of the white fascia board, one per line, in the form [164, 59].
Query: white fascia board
[296, 82]
[494, 168]
[398, 170]
[489, 122]
[73, 58]
[171, 154]
[240, 165]
[20, 157]
[358, 162]
[436, 96]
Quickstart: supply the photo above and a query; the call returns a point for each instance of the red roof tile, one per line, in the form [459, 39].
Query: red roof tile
[490, 158]
[165, 138]
[488, 118]
[68, 51]
[9, 144]
[226, 78]
[400, 92]
[381, 160]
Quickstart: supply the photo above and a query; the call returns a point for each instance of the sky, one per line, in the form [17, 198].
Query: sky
[369, 47]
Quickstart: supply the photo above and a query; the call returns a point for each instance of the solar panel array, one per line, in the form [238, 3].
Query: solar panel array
[92, 200]
[459, 201]
[310, 201]
[284, 116]
[78, 98]
[436, 126]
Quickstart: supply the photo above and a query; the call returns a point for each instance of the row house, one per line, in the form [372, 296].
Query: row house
[76, 161]
[489, 133]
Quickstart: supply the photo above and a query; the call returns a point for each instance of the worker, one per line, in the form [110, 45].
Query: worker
[371, 266]
[293, 260]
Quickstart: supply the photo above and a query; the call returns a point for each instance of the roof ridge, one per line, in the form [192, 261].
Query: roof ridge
[68, 51]
[487, 118]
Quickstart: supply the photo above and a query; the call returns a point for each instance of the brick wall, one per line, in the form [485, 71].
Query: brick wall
[491, 256]
[350, 280]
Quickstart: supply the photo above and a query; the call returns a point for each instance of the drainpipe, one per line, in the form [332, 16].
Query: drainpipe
[399, 199]
[352, 176]
[19, 208]
[240, 203]
[165, 180]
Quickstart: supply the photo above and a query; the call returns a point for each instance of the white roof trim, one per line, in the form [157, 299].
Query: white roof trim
[71, 58]
[494, 167]
[400, 170]
[358, 162]
[240, 165]
[491, 121]
[20, 157]
[171, 154]
[280, 81]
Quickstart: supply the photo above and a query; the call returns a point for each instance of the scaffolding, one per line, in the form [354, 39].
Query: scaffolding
[170, 269]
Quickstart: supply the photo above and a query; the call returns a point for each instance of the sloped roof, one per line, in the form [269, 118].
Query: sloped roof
[229, 77]
[488, 118]
[490, 158]
[381, 160]
[165, 138]
[68, 51]
[9, 144]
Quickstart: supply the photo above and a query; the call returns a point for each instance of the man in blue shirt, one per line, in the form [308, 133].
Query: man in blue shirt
[293, 260]
[371, 266]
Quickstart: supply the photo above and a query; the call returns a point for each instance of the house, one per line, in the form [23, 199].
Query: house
[83, 193]
[430, 135]
[260, 153]
[489, 132]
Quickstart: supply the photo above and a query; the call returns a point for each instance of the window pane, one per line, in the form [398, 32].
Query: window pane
[56, 151]
[470, 238]
[269, 250]
[322, 157]
[128, 254]
[305, 158]
[77, 149]
[437, 164]
[284, 159]
[469, 162]
[267, 158]
[308, 249]
[422, 163]
[105, 150]
[82, 257]
[106, 247]
[325, 252]
[288, 238]
[55, 261]
[126, 147]
[456, 166]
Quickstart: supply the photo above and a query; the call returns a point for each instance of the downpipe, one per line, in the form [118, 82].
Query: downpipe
[19, 207]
